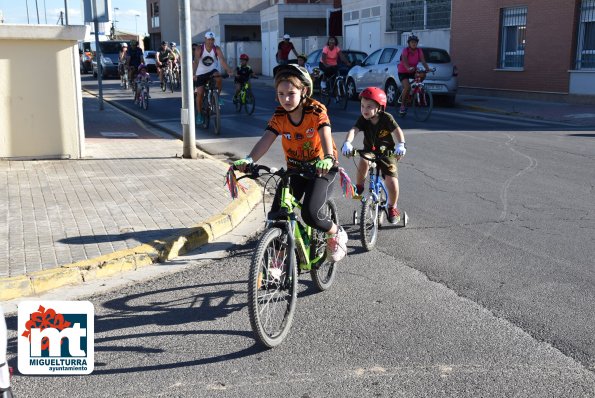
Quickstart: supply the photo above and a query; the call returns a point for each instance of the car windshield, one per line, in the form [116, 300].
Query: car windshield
[436, 56]
[150, 55]
[110, 47]
[355, 57]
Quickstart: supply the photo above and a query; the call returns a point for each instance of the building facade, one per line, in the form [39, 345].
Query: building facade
[542, 47]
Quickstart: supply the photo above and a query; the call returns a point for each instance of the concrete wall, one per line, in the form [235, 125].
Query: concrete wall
[40, 92]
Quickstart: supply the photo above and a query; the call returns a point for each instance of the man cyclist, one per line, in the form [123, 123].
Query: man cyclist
[165, 56]
[206, 59]
[134, 58]
[122, 61]
[177, 60]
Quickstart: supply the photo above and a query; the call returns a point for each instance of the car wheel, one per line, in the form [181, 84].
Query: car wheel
[351, 90]
[392, 92]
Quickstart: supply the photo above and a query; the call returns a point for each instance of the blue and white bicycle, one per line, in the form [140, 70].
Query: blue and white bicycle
[374, 205]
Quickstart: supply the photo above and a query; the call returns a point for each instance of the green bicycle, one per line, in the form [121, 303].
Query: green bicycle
[245, 98]
[287, 248]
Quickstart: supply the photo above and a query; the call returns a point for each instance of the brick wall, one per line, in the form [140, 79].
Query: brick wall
[549, 49]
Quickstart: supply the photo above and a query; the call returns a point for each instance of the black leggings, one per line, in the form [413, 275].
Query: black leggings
[315, 193]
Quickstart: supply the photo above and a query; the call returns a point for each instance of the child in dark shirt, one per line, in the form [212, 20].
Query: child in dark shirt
[243, 73]
[378, 127]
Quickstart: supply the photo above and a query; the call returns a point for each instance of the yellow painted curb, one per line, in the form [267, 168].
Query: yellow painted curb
[137, 257]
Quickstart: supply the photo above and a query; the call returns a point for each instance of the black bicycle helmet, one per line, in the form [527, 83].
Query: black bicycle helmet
[296, 70]
[413, 38]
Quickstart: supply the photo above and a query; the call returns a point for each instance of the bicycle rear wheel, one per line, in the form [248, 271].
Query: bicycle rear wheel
[250, 102]
[369, 223]
[423, 103]
[216, 111]
[323, 273]
[272, 289]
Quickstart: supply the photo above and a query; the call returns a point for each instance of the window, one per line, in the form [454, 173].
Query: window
[585, 51]
[372, 58]
[155, 14]
[409, 15]
[387, 55]
[436, 55]
[512, 37]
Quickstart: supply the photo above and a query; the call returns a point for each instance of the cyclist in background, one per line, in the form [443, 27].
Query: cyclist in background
[142, 77]
[5, 390]
[164, 57]
[122, 61]
[410, 57]
[329, 61]
[206, 58]
[178, 58]
[379, 127]
[305, 131]
[301, 60]
[134, 58]
[243, 74]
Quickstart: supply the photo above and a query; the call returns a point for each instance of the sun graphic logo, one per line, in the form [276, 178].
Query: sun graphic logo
[56, 337]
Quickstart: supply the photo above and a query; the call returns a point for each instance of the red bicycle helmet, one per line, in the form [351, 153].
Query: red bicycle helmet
[244, 56]
[375, 94]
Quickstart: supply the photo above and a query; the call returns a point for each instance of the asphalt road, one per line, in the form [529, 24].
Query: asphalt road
[489, 291]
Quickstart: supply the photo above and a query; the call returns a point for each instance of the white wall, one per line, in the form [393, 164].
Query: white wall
[40, 92]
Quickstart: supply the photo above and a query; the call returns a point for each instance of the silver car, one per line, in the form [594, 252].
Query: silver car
[379, 69]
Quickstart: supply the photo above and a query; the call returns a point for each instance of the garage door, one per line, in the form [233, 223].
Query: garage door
[370, 36]
[351, 41]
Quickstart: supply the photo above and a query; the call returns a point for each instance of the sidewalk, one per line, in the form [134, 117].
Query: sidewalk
[132, 201]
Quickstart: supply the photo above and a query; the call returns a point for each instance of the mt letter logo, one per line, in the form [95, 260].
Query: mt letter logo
[56, 337]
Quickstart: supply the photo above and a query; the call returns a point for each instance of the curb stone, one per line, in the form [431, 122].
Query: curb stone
[157, 251]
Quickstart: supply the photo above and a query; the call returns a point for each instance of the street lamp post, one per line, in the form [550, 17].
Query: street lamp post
[114, 23]
[136, 22]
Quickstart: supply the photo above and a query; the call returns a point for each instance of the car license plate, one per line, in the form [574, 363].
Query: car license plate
[436, 87]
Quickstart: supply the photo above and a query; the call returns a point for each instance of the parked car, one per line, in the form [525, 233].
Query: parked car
[150, 61]
[380, 69]
[355, 57]
[110, 51]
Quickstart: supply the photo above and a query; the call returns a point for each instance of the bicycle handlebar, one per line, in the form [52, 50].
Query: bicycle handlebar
[377, 156]
[254, 171]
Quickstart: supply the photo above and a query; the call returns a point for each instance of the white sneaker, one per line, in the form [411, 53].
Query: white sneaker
[336, 246]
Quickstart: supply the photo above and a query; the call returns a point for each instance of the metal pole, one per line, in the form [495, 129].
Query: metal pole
[66, 10]
[27, 6]
[187, 111]
[45, 12]
[98, 55]
[37, 9]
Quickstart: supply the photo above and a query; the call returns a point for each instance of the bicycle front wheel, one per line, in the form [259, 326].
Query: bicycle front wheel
[250, 102]
[423, 103]
[342, 94]
[171, 83]
[237, 100]
[145, 101]
[206, 111]
[216, 111]
[323, 273]
[369, 223]
[325, 95]
[272, 289]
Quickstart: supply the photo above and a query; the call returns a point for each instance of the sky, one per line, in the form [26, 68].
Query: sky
[15, 12]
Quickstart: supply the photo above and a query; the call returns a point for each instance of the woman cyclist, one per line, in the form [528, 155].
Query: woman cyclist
[329, 60]
[305, 131]
[410, 57]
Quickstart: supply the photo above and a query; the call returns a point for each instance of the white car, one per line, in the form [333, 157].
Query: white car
[379, 69]
[150, 61]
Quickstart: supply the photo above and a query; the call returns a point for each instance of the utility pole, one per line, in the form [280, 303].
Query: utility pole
[187, 111]
[98, 55]
[66, 10]
[37, 9]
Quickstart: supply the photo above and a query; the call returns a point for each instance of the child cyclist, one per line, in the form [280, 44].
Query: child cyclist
[378, 127]
[143, 78]
[305, 131]
[243, 74]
